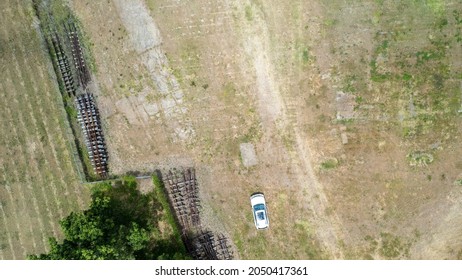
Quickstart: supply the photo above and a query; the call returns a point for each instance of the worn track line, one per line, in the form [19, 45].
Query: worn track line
[23, 157]
[24, 209]
[23, 71]
[56, 128]
[10, 242]
[25, 101]
[23, 126]
[6, 186]
[273, 106]
[15, 167]
[38, 115]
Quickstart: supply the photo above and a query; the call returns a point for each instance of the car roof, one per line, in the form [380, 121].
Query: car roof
[256, 194]
[257, 199]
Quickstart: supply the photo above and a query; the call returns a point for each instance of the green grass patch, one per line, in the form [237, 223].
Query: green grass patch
[376, 76]
[329, 164]
[307, 240]
[345, 121]
[406, 77]
[228, 93]
[306, 55]
[248, 13]
[393, 247]
[419, 158]
[458, 182]
[253, 134]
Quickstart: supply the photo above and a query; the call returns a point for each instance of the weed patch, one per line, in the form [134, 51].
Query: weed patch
[419, 158]
[329, 164]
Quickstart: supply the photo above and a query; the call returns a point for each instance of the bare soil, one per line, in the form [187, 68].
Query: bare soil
[185, 83]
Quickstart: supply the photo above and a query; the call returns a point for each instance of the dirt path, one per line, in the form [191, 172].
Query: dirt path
[270, 102]
[276, 119]
[268, 72]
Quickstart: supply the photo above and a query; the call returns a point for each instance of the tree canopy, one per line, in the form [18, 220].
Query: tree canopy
[121, 223]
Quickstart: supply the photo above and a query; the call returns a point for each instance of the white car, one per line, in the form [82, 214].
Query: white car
[260, 213]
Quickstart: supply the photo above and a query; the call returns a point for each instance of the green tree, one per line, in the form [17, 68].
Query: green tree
[121, 223]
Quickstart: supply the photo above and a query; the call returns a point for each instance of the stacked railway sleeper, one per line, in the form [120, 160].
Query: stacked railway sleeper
[88, 117]
[63, 40]
[205, 245]
[184, 197]
[78, 56]
[62, 62]
[183, 193]
[87, 109]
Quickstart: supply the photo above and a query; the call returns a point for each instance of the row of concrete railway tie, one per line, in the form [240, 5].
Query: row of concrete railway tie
[78, 56]
[184, 196]
[183, 193]
[88, 114]
[181, 187]
[88, 117]
[63, 65]
[87, 110]
[207, 246]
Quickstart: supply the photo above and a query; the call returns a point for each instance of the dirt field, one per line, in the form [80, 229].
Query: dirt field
[351, 106]
[38, 184]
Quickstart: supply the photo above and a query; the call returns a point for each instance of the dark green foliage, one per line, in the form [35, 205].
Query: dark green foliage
[121, 223]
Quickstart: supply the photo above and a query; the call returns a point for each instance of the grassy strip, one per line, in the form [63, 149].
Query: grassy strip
[160, 194]
[52, 16]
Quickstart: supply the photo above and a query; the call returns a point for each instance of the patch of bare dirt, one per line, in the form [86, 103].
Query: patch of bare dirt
[184, 83]
[145, 185]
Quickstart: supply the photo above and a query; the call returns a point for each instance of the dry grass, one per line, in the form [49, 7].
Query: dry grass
[248, 78]
[401, 63]
[38, 184]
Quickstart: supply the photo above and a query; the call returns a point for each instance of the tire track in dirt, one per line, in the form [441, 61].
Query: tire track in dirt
[26, 64]
[23, 164]
[13, 162]
[302, 148]
[35, 116]
[17, 210]
[25, 101]
[10, 242]
[31, 119]
[276, 118]
[51, 125]
[40, 115]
